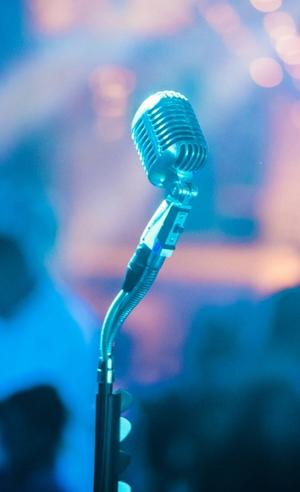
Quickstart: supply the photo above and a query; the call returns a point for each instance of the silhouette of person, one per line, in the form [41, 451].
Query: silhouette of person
[31, 426]
[47, 335]
[262, 451]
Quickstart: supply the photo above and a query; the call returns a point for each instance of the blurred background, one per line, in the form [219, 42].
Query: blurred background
[224, 314]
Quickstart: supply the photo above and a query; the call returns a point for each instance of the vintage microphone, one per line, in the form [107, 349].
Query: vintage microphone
[172, 149]
[168, 138]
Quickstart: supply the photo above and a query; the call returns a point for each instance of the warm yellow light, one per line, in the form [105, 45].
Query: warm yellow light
[266, 5]
[112, 82]
[279, 24]
[288, 48]
[110, 88]
[264, 267]
[266, 72]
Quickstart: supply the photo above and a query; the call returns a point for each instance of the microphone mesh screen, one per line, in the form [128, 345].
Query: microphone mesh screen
[166, 122]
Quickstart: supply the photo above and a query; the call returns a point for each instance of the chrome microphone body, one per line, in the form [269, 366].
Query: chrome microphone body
[168, 139]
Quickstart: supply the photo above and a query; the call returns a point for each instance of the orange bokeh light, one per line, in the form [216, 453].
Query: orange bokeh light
[110, 88]
[264, 267]
[266, 72]
[266, 5]
[54, 16]
[112, 82]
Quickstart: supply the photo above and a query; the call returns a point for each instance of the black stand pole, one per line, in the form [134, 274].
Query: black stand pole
[108, 409]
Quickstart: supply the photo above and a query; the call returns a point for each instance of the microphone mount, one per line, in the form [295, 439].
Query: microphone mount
[182, 191]
[166, 112]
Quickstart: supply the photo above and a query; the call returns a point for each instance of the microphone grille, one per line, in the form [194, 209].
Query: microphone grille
[168, 137]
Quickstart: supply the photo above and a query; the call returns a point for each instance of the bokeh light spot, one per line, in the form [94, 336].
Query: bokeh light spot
[112, 82]
[266, 5]
[266, 72]
[52, 17]
[279, 24]
[111, 87]
[222, 17]
[288, 48]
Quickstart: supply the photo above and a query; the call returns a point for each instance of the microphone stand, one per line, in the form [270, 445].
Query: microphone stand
[158, 242]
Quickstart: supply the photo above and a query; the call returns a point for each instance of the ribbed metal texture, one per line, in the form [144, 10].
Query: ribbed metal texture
[168, 137]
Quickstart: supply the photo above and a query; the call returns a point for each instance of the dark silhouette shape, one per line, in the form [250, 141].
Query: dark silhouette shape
[31, 423]
[285, 322]
[17, 281]
[262, 452]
